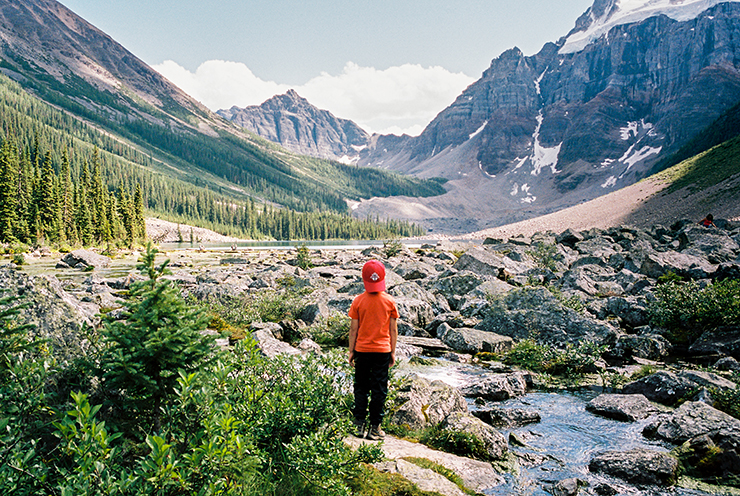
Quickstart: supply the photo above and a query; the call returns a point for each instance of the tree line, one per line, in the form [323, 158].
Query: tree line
[40, 202]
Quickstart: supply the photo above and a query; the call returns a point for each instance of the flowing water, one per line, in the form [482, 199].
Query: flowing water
[564, 441]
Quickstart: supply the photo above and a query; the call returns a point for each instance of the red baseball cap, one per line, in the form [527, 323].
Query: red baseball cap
[373, 276]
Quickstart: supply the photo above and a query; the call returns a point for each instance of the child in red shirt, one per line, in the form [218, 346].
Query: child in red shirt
[372, 348]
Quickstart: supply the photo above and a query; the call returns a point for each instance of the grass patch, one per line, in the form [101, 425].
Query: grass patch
[370, 481]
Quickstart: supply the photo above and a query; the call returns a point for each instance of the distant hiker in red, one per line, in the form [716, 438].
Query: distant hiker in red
[708, 221]
[372, 348]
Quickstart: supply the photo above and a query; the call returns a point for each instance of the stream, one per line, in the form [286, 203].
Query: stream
[568, 436]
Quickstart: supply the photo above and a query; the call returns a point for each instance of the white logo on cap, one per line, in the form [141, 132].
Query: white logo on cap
[375, 276]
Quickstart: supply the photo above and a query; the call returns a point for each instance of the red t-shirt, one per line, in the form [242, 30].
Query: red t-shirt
[374, 311]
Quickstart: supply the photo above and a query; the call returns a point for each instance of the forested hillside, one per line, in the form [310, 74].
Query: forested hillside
[52, 163]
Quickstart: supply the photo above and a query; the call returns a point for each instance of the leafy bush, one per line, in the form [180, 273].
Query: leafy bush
[303, 257]
[691, 308]
[455, 442]
[392, 247]
[727, 400]
[544, 255]
[573, 302]
[333, 332]
[572, 360]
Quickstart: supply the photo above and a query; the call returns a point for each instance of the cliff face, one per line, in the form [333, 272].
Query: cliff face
[292, 122]
[572, 123]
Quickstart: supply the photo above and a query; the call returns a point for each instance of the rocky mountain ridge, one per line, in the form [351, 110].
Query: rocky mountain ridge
[538, 133]
[300, 127]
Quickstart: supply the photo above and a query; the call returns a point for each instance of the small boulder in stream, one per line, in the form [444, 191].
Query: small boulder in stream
[638, 466]
[627, 407]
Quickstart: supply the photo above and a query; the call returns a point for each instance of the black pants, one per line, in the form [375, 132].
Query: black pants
[371, 380]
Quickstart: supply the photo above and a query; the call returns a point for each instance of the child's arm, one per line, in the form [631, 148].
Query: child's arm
[353, 328]
[394, 337]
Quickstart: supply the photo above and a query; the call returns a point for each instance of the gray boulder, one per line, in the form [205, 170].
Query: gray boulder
[656, 264]
[57, 315]
[493, 441]
[472, 340]
[421, 403]
[645, 344]
[631, 310]
[534, 313]
[628, 407]
[487, 262]
[668, 388]
[414, 270]
[507, 417]
[497, 387]
[453, 287]
[713, 244]
[272, 347]
[638, 466]
[723, 340]
[86, 258]
[662, 387]
[692, 419]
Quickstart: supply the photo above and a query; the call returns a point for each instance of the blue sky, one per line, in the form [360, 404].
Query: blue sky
[390, 66]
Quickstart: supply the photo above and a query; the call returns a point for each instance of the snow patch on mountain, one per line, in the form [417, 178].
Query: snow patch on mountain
[619, 12]
[543, 156]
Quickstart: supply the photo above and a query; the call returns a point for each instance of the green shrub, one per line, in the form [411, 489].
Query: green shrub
[392, 247]
[333, 332]
[19, 259]
[572, 360]
[574, 302]
[689, 309]
[544, 255]
[455, 442]
[303, 257]
[727, 400]
[529, 355]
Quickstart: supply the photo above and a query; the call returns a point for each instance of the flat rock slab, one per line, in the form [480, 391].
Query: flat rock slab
[476, 475]
[627, 407]
[424, 478]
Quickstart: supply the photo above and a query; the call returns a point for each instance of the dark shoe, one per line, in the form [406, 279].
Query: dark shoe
[360, 429]
[375, 434]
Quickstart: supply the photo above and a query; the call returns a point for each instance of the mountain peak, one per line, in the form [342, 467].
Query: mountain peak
[603, 15]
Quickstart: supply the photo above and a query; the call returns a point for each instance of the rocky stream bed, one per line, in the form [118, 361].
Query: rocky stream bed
[461, 304]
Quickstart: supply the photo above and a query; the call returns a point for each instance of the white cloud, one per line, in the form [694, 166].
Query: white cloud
[402, 99]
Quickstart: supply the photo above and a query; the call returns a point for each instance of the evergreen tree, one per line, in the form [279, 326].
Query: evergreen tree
[159, 337]
[47, 206]
[8, 191]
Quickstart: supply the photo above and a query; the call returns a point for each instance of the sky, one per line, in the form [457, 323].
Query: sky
[389, 65]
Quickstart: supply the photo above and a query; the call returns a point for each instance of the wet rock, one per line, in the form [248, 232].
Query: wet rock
[507, 417]
[638, 466]
[493, 441]
[690, 420]
[497, 387]
[565, 487]
[422, 403]
[86, 258]
[662, 387]
[472, 340]
[629, 407]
